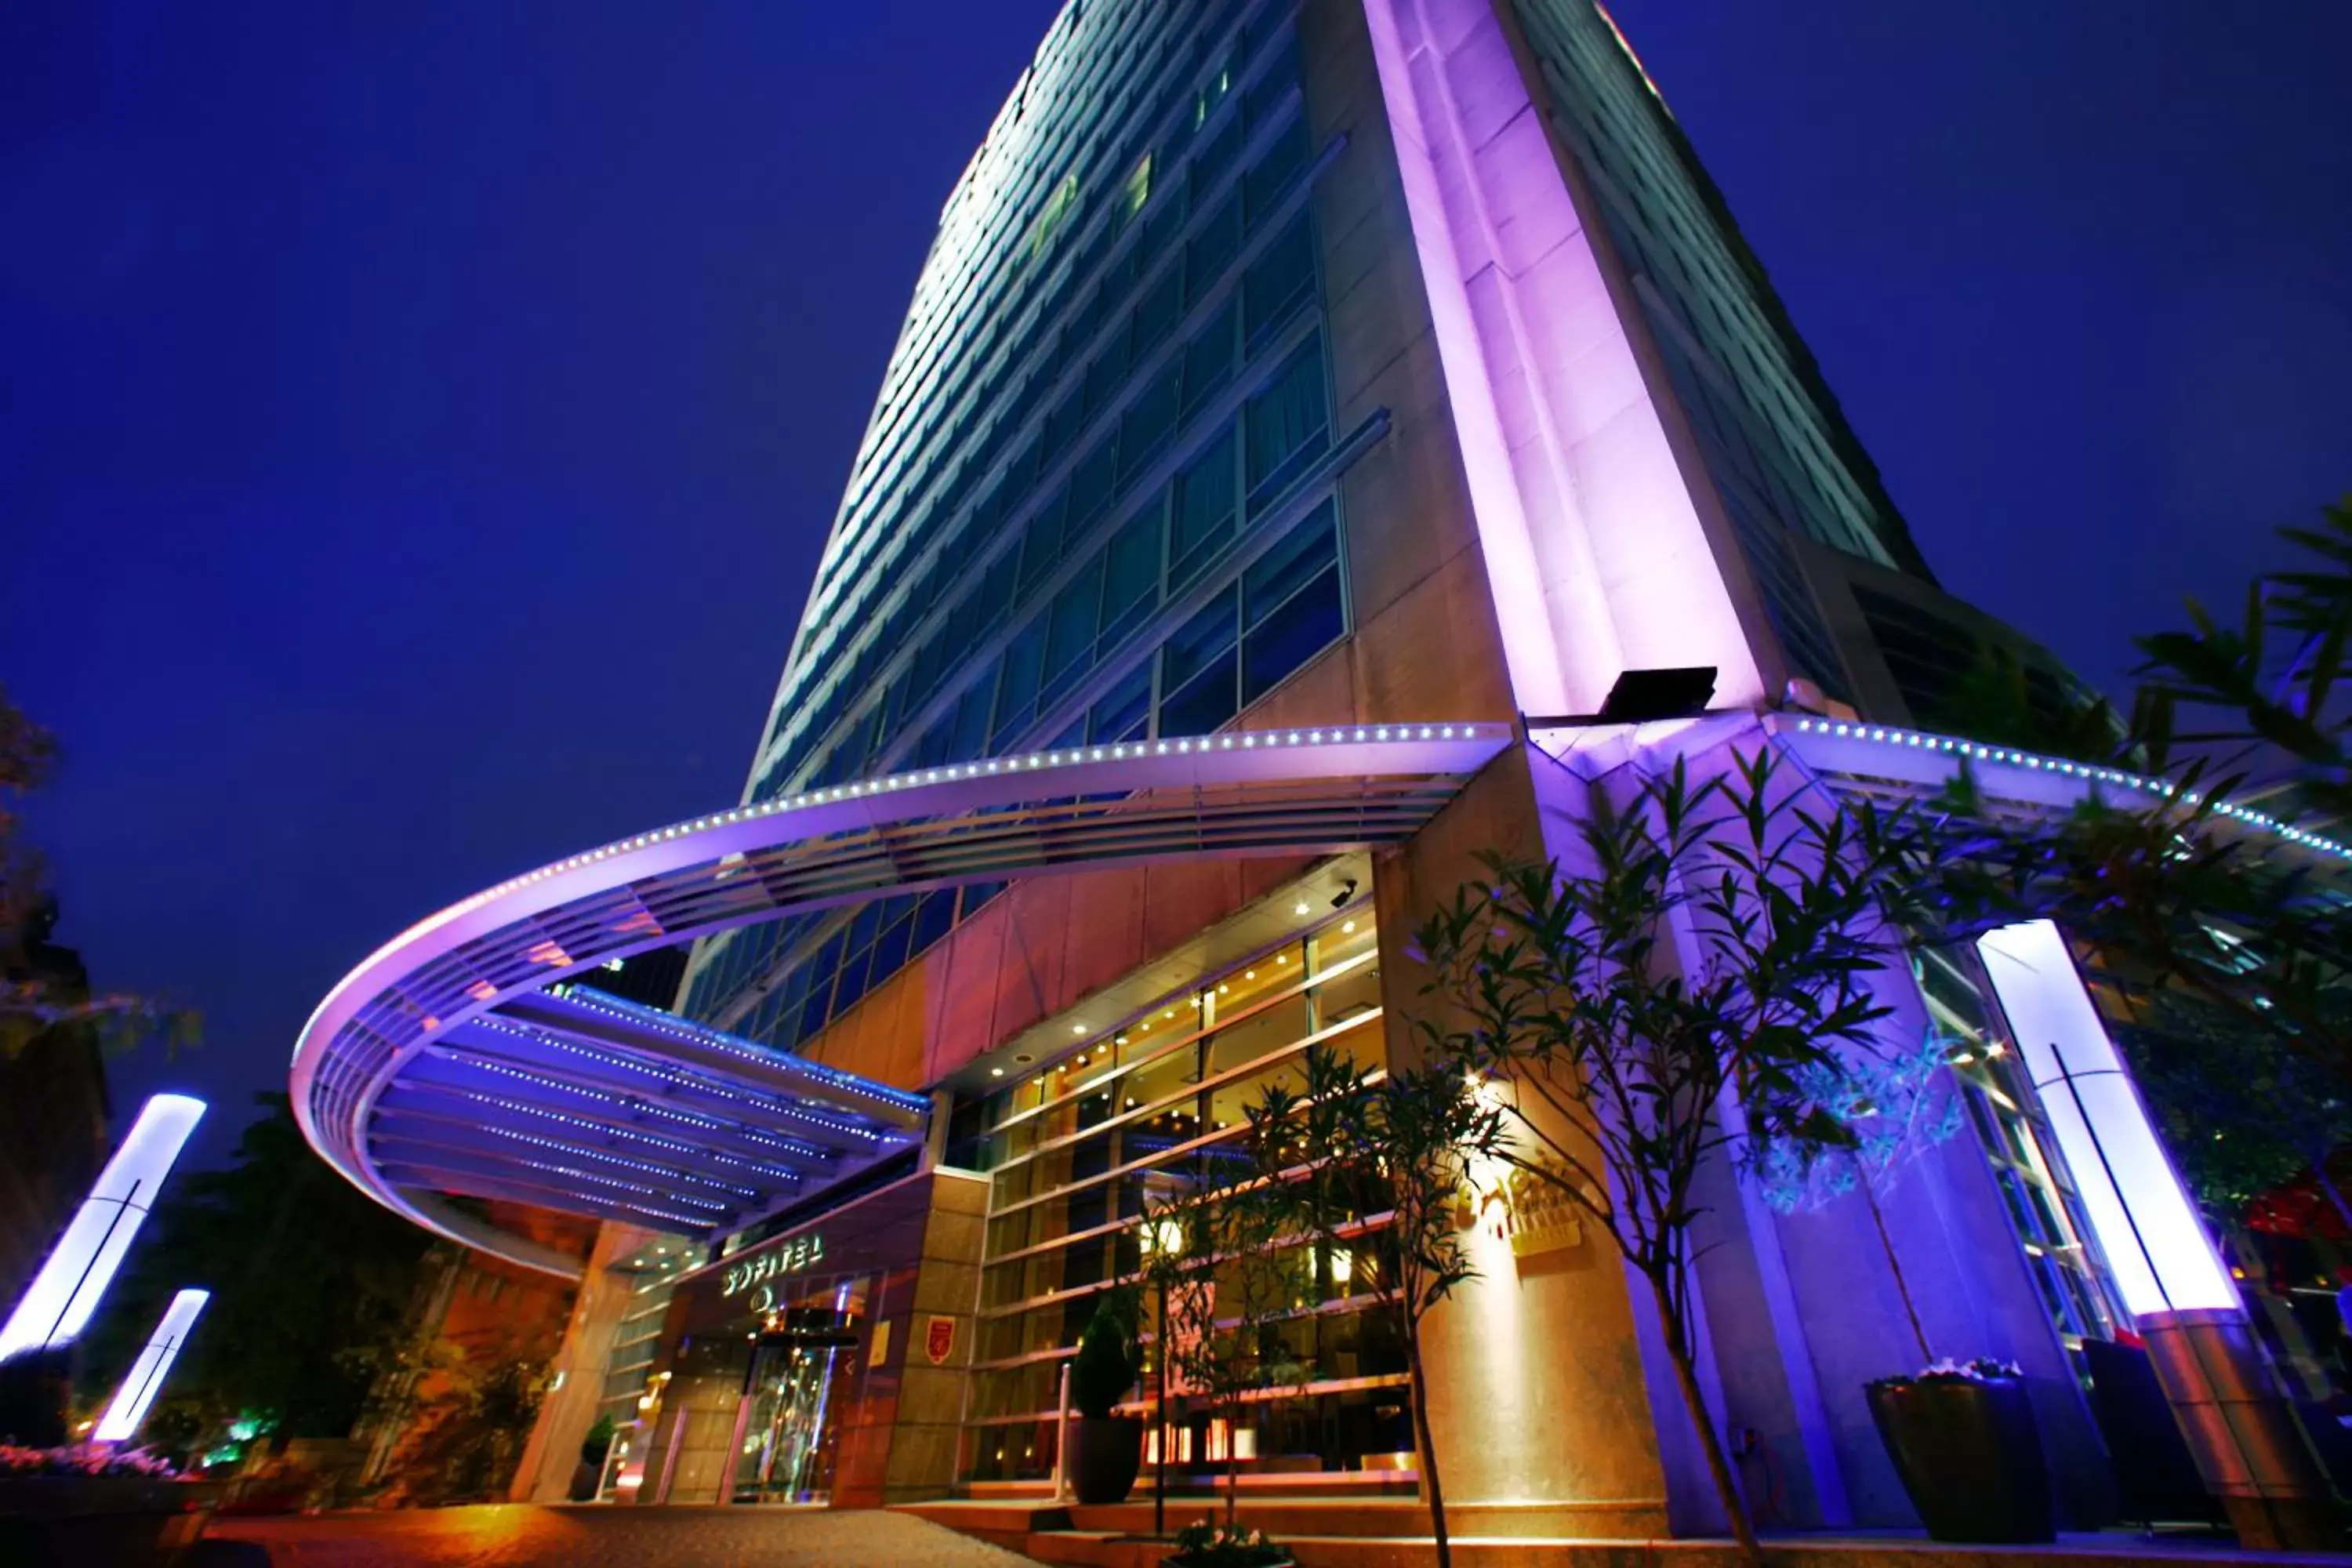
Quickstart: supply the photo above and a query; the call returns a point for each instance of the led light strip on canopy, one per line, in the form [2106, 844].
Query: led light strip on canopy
[145, 1378]
[1914, 756]
[73, 1281]
[451, 1060]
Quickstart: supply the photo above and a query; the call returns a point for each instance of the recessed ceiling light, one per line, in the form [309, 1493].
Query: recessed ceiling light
[1347, 925]
[996, 1072]
[1077, 1028]
[1250, 975]
[1300, 908]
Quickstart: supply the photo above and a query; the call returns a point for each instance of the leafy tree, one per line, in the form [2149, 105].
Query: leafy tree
[2168, 894]
[1217, 1261]
[42, 987]
[1403, 1144]
[1710, 943]
[1885, 1110]
[2265, 695]
[2242, 1116]
[471, 1430]
[312, 1284]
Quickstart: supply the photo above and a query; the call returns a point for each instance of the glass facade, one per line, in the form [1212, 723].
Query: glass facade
[1096, 500]
[1075, 1152]
[2005, 1114]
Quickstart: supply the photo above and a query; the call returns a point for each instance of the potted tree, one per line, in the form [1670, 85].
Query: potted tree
[1961, 1435]
[1643, 1010]
[593, 1449]
[1225, 1278]
[1348, 1145]
[1105, 1449]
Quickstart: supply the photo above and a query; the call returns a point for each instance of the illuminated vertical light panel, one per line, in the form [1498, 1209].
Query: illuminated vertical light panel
[66, 1290]
[2157, 1250]
[141, 1384]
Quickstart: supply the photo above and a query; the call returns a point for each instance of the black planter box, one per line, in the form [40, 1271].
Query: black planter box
[122, 1521]
[1970, 1455]
[1105, 1452]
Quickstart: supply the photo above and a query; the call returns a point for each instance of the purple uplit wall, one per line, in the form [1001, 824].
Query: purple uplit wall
[1595, 551]
[70, 1284]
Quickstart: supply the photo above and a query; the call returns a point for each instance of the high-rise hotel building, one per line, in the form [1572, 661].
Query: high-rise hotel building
[1320, 372]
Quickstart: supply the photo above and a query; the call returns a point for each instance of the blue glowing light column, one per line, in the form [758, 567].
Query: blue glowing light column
[66, 1290]
[2181, 1298]
[145, 1379]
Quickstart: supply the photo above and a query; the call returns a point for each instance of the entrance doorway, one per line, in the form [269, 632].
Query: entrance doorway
[802, 1364]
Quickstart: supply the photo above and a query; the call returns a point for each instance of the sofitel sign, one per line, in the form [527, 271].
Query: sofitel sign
[794, 1255]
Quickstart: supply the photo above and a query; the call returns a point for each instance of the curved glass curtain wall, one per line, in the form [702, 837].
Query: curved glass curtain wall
[1075, 1151]
[1161, 546]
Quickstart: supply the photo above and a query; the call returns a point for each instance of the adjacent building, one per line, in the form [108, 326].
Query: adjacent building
[1381, 381]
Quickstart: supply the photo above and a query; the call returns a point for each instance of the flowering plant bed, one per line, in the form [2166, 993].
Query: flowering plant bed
[1206, 1545]
[82, 1459]
[1980, 1369]
[90, 1504]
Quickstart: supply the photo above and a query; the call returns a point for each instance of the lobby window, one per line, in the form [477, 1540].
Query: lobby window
[1075, 1152]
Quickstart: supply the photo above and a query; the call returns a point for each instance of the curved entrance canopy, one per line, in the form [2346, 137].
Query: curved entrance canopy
[453, 1061]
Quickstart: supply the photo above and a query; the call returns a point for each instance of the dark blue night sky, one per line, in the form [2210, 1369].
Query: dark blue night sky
[417, 428]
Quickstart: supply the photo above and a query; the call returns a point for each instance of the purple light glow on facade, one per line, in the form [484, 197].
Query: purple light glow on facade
[1595, 554]
[70, 1284]
[145, 1378]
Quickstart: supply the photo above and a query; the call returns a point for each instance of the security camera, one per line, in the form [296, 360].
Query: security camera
[1347, 891]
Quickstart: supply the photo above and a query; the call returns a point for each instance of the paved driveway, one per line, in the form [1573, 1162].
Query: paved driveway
[514, 1536]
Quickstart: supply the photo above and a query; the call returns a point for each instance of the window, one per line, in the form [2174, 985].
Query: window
[1270, 178]
[1131, 574]
[1125, 713]
[1211, 251]
[1136, 191]
[1149, 420]
[1058, 203]
[1017, 691]
[1210, 163]
[1291, 605]
[1287, 425]
[1156, 312]
[1090, 488]
[1279, 281]
[1209, 361]
[1070, 631]
[1062, 427]
[1197, 668]
[1041, 542]
[1204, 512]
[1104, 377]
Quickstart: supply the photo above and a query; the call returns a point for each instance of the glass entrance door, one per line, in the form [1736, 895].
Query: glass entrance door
[800, 1372]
